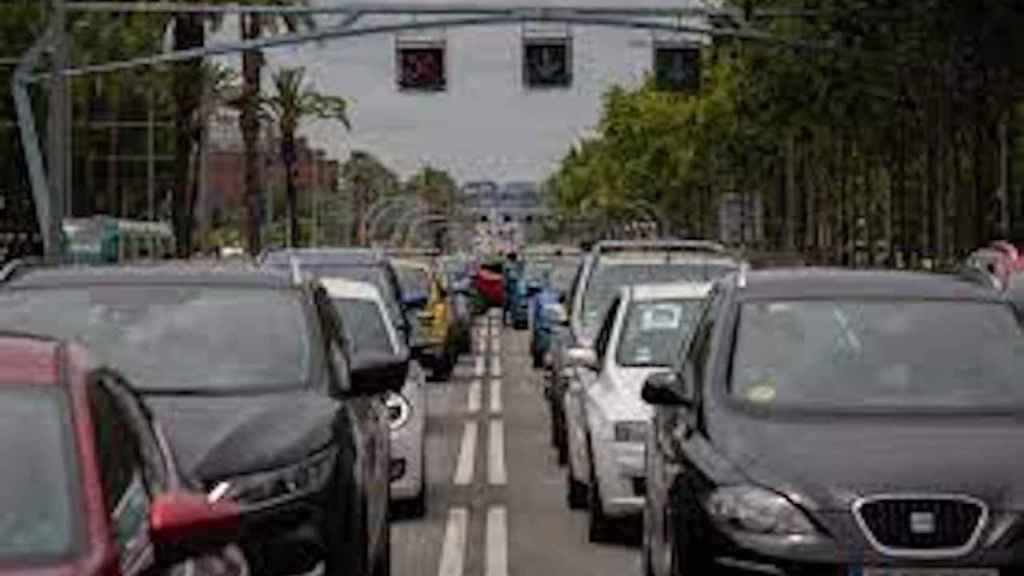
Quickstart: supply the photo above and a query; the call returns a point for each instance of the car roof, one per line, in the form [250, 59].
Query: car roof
[670, 290]
[351, 289]
[28, 359]
[178, 273]
[336, 256]
[808, 283]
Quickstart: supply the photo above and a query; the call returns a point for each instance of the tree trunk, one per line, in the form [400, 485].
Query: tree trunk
[189, 32]
[292, 196]
[252, 65]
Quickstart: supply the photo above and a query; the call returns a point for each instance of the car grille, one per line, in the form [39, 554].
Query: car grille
[921, 526]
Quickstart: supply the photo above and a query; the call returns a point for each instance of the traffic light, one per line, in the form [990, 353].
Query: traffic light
[421, 65]
[547, 62]
[677, 67]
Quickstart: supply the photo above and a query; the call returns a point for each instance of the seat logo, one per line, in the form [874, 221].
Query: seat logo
[922, 523]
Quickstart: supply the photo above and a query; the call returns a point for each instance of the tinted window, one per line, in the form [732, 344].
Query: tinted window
[654, 332]
[413, 279]
[607, 278]
[173, 338]
[879, 354]
[38, 516]
[365, 325]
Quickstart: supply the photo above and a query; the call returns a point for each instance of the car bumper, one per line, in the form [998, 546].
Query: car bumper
[407, 460]
[843, 552]
[619, 467]
[289, 537]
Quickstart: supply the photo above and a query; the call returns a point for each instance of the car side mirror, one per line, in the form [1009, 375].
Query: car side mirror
[185, 525]
[374, 373]
[667, 389]
[582, 357]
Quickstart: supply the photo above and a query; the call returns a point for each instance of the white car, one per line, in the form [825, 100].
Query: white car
[363, 312]
[642, 332]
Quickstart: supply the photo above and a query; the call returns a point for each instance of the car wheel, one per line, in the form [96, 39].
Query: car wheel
[576, 495]
[347, 548]
[685, 554]
[600, 526]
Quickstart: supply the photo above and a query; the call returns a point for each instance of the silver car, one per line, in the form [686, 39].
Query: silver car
[642, 332]
[363, 311]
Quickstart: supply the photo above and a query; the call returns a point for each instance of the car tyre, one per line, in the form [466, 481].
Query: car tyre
[577, 494]
[600, 526]
[687, 551]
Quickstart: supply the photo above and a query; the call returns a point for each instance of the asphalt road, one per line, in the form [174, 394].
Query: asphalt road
[496, 496]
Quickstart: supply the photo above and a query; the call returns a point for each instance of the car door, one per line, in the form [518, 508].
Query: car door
[372, 440]
[127, 488]
[575, 397]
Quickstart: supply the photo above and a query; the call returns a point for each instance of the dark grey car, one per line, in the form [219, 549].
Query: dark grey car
[252, 378]
[838, 422]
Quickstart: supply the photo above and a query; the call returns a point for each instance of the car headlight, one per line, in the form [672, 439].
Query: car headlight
[306, 477]
[399, 410]
[756, 510]
[631, 432]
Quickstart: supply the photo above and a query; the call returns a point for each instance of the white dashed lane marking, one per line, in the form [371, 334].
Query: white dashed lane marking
[497, 542]
[475, 391]
[495, 396]
[496, 474]
[453, 552]
[467, 456]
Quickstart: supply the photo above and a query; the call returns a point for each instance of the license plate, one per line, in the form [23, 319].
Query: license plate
[924, 572]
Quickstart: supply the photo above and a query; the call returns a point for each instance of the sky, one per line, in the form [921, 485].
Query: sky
[486, 126]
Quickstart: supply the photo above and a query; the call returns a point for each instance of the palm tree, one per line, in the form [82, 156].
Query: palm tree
[253, 26]
[294, 100]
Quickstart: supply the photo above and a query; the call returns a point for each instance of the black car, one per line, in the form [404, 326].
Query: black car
[840, 422]
[251, 377]
[360, 264]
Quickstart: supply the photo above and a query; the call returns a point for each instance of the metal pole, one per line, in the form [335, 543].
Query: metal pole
[49, 221]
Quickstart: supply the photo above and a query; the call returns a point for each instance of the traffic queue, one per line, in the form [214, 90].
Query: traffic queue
[222, 418]
[792, 420]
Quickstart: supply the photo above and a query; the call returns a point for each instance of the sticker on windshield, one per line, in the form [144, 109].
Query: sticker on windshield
[763, 392]
[661, 317]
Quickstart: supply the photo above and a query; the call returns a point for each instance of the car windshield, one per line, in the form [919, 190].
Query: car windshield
[173, 338]
[654, 332]
[607, 278]
[879, 355]
[39, 516]
[365, 326]
[413, 279]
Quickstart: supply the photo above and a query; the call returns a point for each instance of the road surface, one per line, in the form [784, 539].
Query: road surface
[496, 501]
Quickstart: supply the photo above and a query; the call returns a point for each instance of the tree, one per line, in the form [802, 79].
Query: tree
[253, 26]
[365, 180]
[294, 101]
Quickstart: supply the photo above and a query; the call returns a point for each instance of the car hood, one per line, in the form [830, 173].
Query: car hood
[218, 437]
[831, 461]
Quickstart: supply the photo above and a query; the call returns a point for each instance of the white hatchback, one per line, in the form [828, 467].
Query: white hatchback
[363, 312]
[642, 332]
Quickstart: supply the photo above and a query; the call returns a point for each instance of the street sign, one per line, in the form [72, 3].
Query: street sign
[421, 65]
[677, 67]
[547, 62]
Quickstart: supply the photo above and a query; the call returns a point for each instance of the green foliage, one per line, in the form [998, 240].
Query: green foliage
[872, 123]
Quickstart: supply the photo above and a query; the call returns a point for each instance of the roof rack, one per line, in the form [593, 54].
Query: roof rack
[666, 245]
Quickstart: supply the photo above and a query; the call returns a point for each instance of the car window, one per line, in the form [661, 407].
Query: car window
[654, 331]
[40, 512]
[608, 277]
[122, 472]
[366, 325]
[167, 338]
[605, 333]
[885, 355]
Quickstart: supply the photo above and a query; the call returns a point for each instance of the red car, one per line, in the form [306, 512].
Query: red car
[89, 484]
